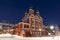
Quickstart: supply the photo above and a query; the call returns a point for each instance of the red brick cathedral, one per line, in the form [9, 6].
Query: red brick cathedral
[31, 25]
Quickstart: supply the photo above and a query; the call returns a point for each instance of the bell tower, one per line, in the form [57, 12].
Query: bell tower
[39, 18]
[31, 11]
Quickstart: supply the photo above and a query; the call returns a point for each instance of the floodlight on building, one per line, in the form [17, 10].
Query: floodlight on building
[40, 29]
[52, 27]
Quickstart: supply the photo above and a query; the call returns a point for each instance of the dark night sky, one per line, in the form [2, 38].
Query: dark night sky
[13, 10]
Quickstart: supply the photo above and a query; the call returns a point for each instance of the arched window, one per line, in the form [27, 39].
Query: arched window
[26, 26]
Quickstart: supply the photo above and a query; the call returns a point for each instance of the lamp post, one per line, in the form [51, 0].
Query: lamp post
[40, 31]
[52, 29]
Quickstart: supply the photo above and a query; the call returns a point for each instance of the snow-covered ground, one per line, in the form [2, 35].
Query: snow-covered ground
[15, 37]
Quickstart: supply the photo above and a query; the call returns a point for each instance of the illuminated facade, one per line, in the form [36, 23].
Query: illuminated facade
[31, 25]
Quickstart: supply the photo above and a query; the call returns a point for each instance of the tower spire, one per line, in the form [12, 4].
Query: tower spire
[31, 11]
[37, 12]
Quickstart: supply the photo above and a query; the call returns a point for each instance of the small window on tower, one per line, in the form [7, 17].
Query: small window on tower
[36, 27]
[32, 27]
[32, 22]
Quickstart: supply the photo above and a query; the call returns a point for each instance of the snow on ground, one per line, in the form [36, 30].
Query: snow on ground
[15, 37]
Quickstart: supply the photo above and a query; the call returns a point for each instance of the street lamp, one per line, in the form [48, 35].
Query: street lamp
[49, 33]
[52, 27]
